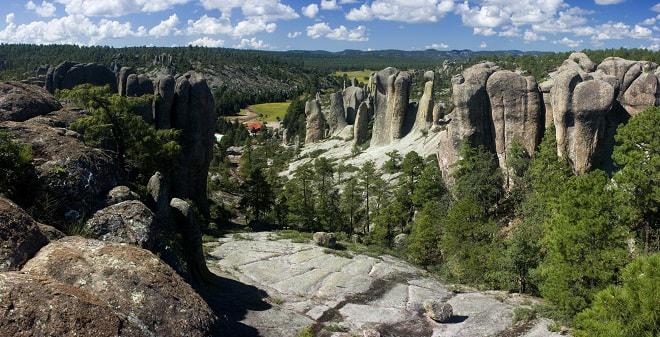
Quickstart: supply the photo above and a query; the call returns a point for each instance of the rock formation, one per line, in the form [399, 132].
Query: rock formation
[516, 113]
[131, 281]
[120, 194]
[335, 117]
[391, 106]
[20, 236]
[125, 222]
[643, 92]
[163, 101]
[20, 102]
[68, 75]
[378, 88]
[122, 77]
[562, 98]
[315, 125]
[138, 85]
[424, 118]
[352, 97]
[194, 114]
[361, 127]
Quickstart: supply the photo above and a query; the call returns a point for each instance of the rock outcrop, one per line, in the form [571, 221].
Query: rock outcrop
[20, 102]
[392, 115]
[194, 114]
[72, 179]
[562, 98]
[131, 281]
[361, 127]
[68, 75]
[424, 119]
[39, 306]
[643, 92]
[120, 194]
[378, 88]
[516, 114]
[122, 77]
[138, 85]
[163, 101]
[315, 122]
[352, 97]
[125, 222]
[336, 120]
[20, 236]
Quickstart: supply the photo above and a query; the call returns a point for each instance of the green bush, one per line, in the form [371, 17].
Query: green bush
[15, 165]
[631, 309]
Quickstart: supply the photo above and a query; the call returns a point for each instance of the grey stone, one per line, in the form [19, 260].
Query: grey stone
[562, 98]
[335, 118]
[644, 92]
[361, 127]
[163, 101]
[139, 85]
[20, 102]
[353, 96]
[68, 75]
[20, 236]
[119, 194]
[315, 126]
[439, 312]
[122, 77]
[126, 222]
[324, 239]
[424, 118]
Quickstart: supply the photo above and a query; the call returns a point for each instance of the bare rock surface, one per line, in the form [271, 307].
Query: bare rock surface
[20, 236]
[132, 281]
[307, 285]
[315, 124]
[125, 222]
[20, 102]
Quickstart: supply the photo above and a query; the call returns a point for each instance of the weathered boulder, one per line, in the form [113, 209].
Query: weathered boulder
[352, 97]
[439, 110]
[193, 114]
[592, 100]
[562, 98]
[120, 194]
[583, 61]
[132, 281]
[378, 88]
[516, 114]
[59, 119]
[68, 75]
[163, 101]
[125, 222]
[191, 238]
[72, 178]
[20, 236]
[122, 77]
[439, 312]
[424, 118]
[546, 94]
[138, 85]
[20, 102]
[361, 127]
[39, 306]
[400, 240]
[323, 239]
[335, 118]
[398, 94]
[642, 93]
[315, 125]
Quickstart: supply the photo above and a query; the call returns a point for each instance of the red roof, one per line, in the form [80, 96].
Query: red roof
[254, 125]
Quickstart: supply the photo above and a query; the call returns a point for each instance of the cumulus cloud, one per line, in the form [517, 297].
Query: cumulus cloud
[329, 4]
[402, 10]
[569, 42]
[71, 29]
[340, 33]
[116, 7]
[483, 45]
[252, 43]
[46, 9]
[207, 42]
[9, 18]
[530, 36]
[437, 46]
[165, 27]
[293, 35]
[207, 25]
[656, 7]
[310, 11]
[608, 2]
[265, 10]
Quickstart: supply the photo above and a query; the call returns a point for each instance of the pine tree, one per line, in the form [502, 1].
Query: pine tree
[423, 247]
[257, 197]
[351, 205]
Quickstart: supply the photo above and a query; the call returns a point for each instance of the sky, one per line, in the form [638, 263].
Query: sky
[334, 25]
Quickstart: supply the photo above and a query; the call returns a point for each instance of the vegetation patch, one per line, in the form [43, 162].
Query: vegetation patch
[270, 112]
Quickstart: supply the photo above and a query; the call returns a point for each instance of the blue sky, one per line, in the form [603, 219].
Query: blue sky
[337, 24]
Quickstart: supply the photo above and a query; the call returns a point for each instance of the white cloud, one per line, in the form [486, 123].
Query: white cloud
[437, 46]
[207, 42]
[252, 43]
[619, 31]
[530, 36]
[72, 29]
[340, 33]
[310, 11]
[207, 25]
[46, 9]
[253, 26]
[116, 7]
[608, 2]
[569, 42]
[656, 7]
[483, 31]
[165, 27]
[497, 13]
[483, 45]
[653, 47]
[329, 4]
[265, 10]
[9, 19]
[293, 35]
[402, 10]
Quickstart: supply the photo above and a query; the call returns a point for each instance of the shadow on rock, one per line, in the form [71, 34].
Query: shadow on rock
[456, 319]
[231, 300]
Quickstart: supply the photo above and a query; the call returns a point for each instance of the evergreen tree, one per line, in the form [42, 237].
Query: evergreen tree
[393, 164]
[423, 243]
[477, 176]
[351, 204]
[16, 170]
[300, 198]
[326, 195]
[368, 176]
[257, 197]
[585, 244]
[631, 309]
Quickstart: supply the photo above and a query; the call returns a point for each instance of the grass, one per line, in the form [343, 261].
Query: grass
[335, 328]
[523, 314]
[339, 253]
[360, 75]
[294, 236]
[270, 112]
[306, 332]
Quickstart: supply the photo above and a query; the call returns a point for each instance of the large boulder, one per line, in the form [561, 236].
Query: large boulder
[39, 306]
[20, 236]
[68, 75]
[120, 194]
[439, 312]
[191, 237]
[352, 97]
[642, 93]
[125, 222]
[72, 179]
[516, 113]
[335, 118]
[163, 101]
[361, 127]
[132, 281]
[323, 239]
[139, 85]
[562, 98]
[315, 124]
[193, 114]
[379, 89]
[424, 118]
[122, 77]
[592, 100]
[583, 61]
[398, 95]
[20, 102]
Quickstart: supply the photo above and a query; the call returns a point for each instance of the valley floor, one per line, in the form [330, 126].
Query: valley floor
[274, 287]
